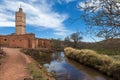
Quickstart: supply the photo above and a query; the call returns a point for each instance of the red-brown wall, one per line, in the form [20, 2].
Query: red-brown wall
[24, 41]
[19, 43]
[44, 43]
[4, 40]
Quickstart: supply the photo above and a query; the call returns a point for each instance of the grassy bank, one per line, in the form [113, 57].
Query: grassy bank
[116, 57]
[38, 72]
[40, 57]
[103, 63]
[36, 69]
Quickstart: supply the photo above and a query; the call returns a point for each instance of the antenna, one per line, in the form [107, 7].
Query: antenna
[20, 6]
[20, 9]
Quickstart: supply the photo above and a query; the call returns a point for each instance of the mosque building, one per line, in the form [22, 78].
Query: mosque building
[21, 39]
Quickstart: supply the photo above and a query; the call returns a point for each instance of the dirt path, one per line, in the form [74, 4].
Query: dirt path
[15, 65]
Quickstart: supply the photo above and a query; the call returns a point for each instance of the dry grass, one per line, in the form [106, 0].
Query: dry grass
[103, 63]
[116, 57]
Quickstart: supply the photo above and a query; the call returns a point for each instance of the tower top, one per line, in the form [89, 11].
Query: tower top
[20, 9]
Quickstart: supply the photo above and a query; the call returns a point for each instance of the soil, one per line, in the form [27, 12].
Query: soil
[15, 65]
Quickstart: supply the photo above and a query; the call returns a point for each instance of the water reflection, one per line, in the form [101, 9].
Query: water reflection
[58, 56]
[65, 69]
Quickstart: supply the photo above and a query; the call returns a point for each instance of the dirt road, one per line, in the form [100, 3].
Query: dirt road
[15, 65]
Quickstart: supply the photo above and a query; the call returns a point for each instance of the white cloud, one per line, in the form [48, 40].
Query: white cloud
[90, 3]
[65, 1]
[6, 24]
[39, 14]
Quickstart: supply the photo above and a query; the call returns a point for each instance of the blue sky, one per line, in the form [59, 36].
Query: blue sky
[45, 18]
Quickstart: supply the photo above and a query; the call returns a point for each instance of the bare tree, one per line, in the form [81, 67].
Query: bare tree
[76, 37]
[103, 14]
[57, 44]
[67, 42]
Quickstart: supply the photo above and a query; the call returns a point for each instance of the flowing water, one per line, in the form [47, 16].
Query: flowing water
[66, 69]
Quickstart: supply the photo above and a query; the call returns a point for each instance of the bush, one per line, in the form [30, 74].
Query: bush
[38, 55]
[103, 63]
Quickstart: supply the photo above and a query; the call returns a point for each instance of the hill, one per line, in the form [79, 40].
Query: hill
[110, 46]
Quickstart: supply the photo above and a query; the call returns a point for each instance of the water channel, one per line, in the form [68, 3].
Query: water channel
[66, 69]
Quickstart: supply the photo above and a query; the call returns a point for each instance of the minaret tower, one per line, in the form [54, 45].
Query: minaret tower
[20, 22]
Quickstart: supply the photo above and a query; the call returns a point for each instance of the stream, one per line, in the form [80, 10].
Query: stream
[66, 69]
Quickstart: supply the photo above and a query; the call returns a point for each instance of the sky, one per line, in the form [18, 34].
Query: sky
[45, 18]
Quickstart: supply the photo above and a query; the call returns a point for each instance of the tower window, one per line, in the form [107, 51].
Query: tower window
[5, 39]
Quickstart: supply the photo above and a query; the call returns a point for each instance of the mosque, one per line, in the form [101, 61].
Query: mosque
[21, 39]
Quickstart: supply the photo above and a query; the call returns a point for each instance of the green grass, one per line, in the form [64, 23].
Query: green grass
[108, 51]
[35, 72]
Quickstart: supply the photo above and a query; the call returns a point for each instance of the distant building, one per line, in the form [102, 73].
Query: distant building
[21, 39]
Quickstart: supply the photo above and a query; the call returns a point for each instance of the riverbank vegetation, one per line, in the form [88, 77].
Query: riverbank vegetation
[36, 68]
[110, 46]
[72, 40]
[57, 45]
[36, 54]
[103, 63]
[38, 72]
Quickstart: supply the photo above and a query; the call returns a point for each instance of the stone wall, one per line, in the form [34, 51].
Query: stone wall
[24, 41]
[4, 40]
[44, 43]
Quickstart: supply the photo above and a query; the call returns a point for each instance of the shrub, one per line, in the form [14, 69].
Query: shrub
[103, 63]
[39, 56]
